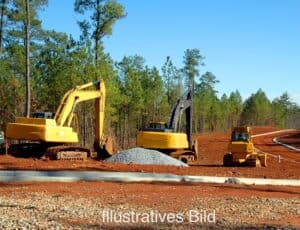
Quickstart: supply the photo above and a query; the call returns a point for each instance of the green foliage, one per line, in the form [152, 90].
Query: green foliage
[155, 100]
[10, 94]
[206, 104]
[257, 110]
[282, 108]
[172, 81]
[235, 108]
[17, 17]
[102, 19]
[192, 59]
[103, 16]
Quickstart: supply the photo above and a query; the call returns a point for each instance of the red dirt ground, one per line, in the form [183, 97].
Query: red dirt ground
[211, 148]
[171, 197]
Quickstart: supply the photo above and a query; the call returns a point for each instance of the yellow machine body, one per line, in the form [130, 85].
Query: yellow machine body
[162, 140]
[241, 149]
[39, 129]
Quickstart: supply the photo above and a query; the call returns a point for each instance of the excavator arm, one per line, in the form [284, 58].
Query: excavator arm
[183, 104]
[65, 112]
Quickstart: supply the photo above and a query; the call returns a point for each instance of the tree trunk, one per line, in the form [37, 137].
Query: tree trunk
[3, 4]
[27, 53]
[97, 38]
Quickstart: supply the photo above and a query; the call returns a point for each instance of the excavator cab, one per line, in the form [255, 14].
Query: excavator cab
[157, 127]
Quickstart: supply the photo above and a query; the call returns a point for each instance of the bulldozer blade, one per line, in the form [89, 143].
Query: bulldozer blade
[263, 159]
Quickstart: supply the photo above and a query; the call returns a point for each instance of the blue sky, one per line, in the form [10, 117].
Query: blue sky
[247, 44]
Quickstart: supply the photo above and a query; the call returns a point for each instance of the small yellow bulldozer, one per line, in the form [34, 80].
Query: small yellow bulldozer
[241, 150]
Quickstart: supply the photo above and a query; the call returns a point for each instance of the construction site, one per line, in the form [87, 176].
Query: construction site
[246, 179]
[111, 117]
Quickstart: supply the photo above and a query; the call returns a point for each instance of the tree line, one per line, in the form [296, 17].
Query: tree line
[38, 66]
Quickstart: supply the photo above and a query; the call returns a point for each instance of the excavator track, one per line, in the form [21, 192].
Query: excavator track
[41, 150]
[27, 150]
[67, 153]
[186, 156]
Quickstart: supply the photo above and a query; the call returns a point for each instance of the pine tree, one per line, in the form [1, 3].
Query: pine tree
[257, 110]
[172, 81]
[25, 27]
[103, 17]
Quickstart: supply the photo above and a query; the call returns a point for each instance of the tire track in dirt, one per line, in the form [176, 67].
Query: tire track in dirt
[266, 144]
[289, 141]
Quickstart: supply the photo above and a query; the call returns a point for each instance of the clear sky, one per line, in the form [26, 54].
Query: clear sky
[247, 44]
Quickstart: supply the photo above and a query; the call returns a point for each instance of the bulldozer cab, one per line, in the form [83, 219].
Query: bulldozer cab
[240, 134]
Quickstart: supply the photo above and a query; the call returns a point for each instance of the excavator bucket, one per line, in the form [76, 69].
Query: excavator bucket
[104, 150]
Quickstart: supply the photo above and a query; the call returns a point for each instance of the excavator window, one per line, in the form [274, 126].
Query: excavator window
[157, 126]
[45, 115]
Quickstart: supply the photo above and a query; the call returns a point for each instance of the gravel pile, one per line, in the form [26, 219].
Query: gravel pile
[144, 156]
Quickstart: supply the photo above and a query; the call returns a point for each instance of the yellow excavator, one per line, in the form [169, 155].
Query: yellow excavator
[241, 150]
[167, 138]
[55, 138]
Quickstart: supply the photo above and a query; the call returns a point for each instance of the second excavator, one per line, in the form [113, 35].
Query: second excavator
[168, 138]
